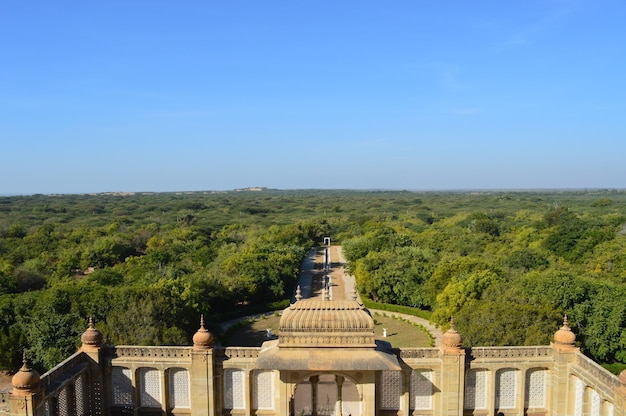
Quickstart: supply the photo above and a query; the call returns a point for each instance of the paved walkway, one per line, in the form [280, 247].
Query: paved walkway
[344, 283]
[310, 281]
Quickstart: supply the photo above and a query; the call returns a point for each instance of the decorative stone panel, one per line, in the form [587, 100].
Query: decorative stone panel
[535, 395]
[62, 403]
[263, 390]
[150, 387]
[421, 390]
[122, 387]
[179, 396]
[391, 390]
[579, 397]
[475, 389]
[234, 389]
[506, 386]
[79, 396]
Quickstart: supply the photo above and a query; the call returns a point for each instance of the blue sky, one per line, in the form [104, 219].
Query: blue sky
[211, 95]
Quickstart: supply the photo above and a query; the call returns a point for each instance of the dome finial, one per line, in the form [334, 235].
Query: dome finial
[202, 339]
[354, 294]
[92, 338]
[298, 294]
[26, 380]
[451, 342]
[564, 337]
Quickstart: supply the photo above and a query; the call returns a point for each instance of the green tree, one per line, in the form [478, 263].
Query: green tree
[463, 291]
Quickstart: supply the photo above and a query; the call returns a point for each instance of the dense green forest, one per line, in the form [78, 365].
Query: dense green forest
[506, 265]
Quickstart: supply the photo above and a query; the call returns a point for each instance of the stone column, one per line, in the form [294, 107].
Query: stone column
[562, 393]
[521, 388]
[619, 407]
[201, 374]
[452, 383]
[164, 391]
[314, 380]
[247, 392]
[452, 373]
[405, 400]
[564, 353]
[490, 385]
[369, 395]
[339, 380]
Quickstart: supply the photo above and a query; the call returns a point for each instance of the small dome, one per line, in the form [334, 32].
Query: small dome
[202, 339]
[326, 323]
[564, 336]
[26, 380]
[451, 340]
[91, 338]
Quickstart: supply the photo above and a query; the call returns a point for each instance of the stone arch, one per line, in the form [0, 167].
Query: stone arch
[326, 394]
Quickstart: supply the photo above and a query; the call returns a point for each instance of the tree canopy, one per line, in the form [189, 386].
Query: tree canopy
[506, 265]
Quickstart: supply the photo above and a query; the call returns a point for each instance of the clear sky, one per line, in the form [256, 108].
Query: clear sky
[125, 95]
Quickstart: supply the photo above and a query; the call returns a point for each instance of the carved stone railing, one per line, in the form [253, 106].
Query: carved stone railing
[65, 372]
[596, 371]
[426, 353]
[486, 353]
[237, 352]
[136, 352]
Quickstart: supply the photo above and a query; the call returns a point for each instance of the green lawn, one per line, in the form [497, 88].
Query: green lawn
[400, 334]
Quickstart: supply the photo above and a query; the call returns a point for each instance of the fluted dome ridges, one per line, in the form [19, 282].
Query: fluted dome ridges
[564, 336]
[202, 339]
[326, 316]
[451, 340]
[26, 380]
[326, 323]
[91, 338]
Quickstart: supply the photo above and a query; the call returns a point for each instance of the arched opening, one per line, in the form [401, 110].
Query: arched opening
[326, 395]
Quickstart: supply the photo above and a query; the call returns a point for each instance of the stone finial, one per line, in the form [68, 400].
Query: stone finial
[298, 293]
[26, 380]
[92, 338]
[564, 337]
[202, 339]
[325, 294]
[451, 342]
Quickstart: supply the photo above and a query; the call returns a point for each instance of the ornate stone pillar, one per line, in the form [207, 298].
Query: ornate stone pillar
[564, 353]
[91, 344]
[202, 373]
[452, 373]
